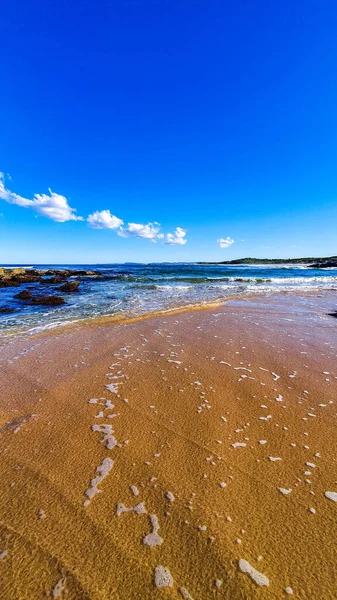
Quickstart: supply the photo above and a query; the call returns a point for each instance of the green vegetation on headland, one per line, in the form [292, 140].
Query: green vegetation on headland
[318, 263]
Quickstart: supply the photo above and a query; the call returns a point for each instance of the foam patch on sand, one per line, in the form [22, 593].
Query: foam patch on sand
[153, 539]
[285, 491]
[113, 387]
[103, 470]
[185, 594]
[258, 577]
[139, 509]
[162, 577]
[108, 438]
[59, 588]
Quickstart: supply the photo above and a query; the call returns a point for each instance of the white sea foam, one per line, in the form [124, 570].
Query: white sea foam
[112, 387]
[108, 438]
[258, 577]
[185, 594]
[285, 491]
[162, 577]
[103, 470]
[139, 509]
[153, 538]
[59, 588]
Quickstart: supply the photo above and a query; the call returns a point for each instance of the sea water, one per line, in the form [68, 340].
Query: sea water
[137, 289]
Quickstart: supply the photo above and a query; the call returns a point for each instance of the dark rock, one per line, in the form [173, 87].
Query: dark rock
[24, 295]
[52, 280]
[6, 309]
[28, 278]
[80, 273]
[333, 314]
[70, 286]
[56, 273]
[48, 300]
[328, 264]
[8, 283]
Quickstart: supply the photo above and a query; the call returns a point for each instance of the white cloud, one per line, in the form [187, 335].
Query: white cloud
[150, 231]
[103, 219]
[225, 242]
[53, 206]
[178, 237]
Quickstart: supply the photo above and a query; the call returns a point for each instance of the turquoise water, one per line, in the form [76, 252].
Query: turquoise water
[136, 289]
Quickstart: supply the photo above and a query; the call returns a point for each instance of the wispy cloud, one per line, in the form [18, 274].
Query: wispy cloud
[178, 237]
[103, 219]
[56, 207]
[225, 242]
[52, 205]
[149, 231]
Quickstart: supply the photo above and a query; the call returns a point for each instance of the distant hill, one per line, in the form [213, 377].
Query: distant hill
[317, 262]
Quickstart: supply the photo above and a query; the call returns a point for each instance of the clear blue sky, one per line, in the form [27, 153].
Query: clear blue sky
[216, 117]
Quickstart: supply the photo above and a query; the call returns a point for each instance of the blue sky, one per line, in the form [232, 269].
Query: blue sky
[217, 118]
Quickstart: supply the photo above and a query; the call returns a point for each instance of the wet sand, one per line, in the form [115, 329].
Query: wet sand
[193, 451]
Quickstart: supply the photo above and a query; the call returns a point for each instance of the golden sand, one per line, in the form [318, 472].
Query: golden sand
[190, 455]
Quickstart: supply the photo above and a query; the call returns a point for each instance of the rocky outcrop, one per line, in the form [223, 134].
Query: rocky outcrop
[70, 286]
[15, 277]
[52, 280]
[28, 278]
[18, 271]
[328, 264]
[48, 300]
[8, 283]
[70, 273]
[6, 310]
[24, 295]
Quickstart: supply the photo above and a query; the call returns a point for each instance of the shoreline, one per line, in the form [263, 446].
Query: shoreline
[191, 396]
[124, 318]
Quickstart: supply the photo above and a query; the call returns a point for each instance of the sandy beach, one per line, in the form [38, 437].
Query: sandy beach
[189, 455]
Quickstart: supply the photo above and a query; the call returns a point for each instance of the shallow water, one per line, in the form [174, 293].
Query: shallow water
[136, 289]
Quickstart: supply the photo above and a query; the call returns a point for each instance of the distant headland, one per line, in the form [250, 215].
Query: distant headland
[313, 262]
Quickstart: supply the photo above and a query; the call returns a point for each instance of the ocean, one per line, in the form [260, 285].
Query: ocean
[137, 289]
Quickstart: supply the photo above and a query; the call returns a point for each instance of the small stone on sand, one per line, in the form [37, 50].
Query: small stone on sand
[331, 496]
